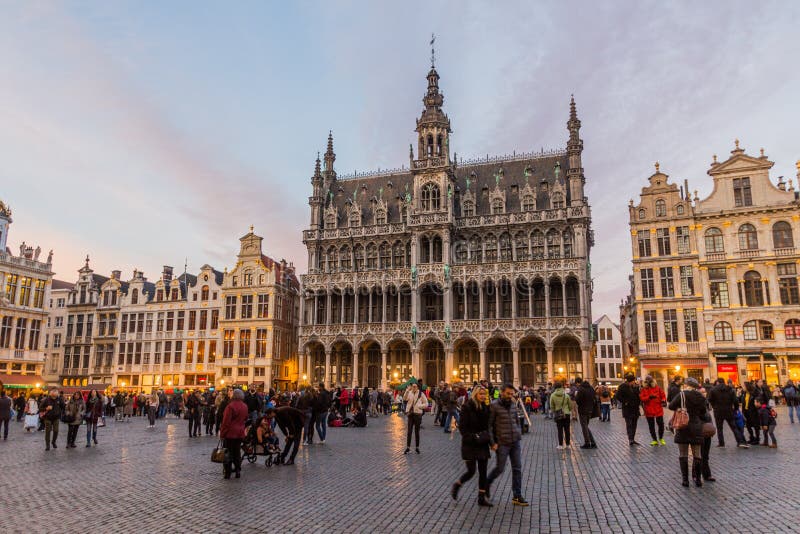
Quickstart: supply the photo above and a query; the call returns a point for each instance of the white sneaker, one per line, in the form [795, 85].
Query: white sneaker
[560, 447]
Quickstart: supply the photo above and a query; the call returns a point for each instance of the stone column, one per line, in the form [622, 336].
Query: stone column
[384, 370]
[356, 293]
[481, 301]
[415, 362]
[341, 308]
[547, 301]
[515, 360]
[327, 377]
[550, 370]
[356, 354]
[448, 365]
[328, 307]
[514, 302]
[588, 371]
[383, 304]
[564, 296]
[369, 310]
[496, 301]
[483, 372]
[772, 279]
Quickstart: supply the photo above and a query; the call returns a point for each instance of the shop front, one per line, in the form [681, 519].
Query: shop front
[728, 372]
[793, 367]
[663, 371]
[742, 367]
[21, 383]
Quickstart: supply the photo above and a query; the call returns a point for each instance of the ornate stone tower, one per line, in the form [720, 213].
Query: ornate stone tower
[575, 176]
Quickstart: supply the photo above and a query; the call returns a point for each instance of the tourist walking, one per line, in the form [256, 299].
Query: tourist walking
[605, 404]
[723, 401]
[691, 435]
[705, 448]
[232, 433]
[73, 417]
[585, 401]
[505, 436]
[474, 428]
[653, 398]
[19, 405]
[768, 420]
[561, 413]
[94, 411]
[750, 411]
[5, 412]
[415, 403]
[50, 410]
[628, 397]
[790, 395]
[152, 408]
[450, 401]
[322, 405]
[193, 406]
[673, 390]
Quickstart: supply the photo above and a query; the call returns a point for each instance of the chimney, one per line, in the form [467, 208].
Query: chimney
[116, 274]
[166, 274]
[781, 183]
[686, 188]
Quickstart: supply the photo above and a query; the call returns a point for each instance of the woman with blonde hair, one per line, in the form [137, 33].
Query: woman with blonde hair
[474, 428]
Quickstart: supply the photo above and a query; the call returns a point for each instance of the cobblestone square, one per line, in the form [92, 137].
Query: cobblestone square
[160, 480]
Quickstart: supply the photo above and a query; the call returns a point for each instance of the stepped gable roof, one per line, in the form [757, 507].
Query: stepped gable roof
[392, 186]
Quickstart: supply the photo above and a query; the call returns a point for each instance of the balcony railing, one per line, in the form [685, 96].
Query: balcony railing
[652, 348]
[786, 251]
[19, 353]
[750, 253]
[715, 256]
[692, 346]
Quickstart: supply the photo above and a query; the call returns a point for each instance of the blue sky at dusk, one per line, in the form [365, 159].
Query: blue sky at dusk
[143, 133]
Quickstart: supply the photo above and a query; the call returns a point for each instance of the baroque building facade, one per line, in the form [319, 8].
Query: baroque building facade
[448, 269]
[716, 292]
[24, 292]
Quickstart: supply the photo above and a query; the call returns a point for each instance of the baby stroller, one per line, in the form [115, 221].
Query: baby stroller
[251, 449]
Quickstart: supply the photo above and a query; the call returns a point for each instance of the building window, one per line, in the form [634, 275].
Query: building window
[787, 281]
[644, 245]
[754, 330]
[430, 197]
[682, 236]
[679, 209]
[687, 280]
[192, 319]
[748, 238]
[792, 329]
[648, 285]
[468, 208]
[263, 306]
[671, 326]
[650, 326]
[661, 208]
[528, 203]
[330, 221]
[214, 319]
[247, 307]
[230, 307]
[355, 218]
[723, 331]
[667, 282]
[497, 206]
[204, 293]
[714, 241]
[227, 343]
[558, 201]
[261, 343]
[567, 242]
[753, 289]
[782, 235]
[380, 216]
[741, 192]
[642, 214]
[690, 324]
[38, 294]
[719, 287]
[244, 343]
[662, 236]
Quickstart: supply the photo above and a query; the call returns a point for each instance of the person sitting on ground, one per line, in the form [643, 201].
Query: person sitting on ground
[359, 419]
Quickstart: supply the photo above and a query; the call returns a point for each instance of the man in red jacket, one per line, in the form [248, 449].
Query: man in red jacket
[232, 432]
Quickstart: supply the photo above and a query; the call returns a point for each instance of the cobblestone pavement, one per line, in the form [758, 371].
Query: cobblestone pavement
[159, 480]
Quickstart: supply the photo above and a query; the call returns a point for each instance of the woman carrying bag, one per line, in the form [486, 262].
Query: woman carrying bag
[561, 410]
[474, 428]
[689, 429]
[73, 416]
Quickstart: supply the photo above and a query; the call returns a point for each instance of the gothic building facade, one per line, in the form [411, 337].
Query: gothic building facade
[449, 269]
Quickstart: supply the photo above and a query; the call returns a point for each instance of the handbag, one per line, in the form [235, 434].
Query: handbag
[709, 431]
[219, 454]
[680, 419]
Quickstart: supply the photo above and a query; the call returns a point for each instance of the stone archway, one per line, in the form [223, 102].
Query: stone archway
[467, 361]
[532, 362]
[567, 358]
[316, 352]
[432, 354]
[500, 361]
[341, 371]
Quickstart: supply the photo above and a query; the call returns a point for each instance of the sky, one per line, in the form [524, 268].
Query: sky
[155, 133]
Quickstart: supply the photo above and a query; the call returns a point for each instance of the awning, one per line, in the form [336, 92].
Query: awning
[72, 389]
[21, 381]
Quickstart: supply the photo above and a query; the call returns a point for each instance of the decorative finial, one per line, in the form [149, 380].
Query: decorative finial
[87, 260]
[251, 228]
[658, 167]
[736, 142]
[762, 152]
[715, 158]
[433, 52]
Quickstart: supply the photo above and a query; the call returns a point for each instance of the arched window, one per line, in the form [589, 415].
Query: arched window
[355, 218]
[782, 235]
[424, 249]
[358, 254]
[380, 216]
[537, 245]
[567, 237]
[714, 242]
[174, 293]
[468, 208]
[475, 249]
[753, 289]
[385, 256]
[521, 246]
[490, 248]
[345, 258]
[436, 246]
[748, 238]
[528, 203]
[430, 197]
[642, 214]
[333, 260]
[754, 330]
[135, 296]
[372, 256]
[792, 329]
[330, 221]
[723, 331]
[439, 145]
[558, 201]
[204, 293]
[430, 146]
[679, 209]
[661, 208]
[553, 243]
[505, 247]
[397, 255]
[497, 206]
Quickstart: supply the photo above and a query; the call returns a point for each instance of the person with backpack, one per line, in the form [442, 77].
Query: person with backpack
[767, 417]
[792, 400]
[50, 409]
[750, 411]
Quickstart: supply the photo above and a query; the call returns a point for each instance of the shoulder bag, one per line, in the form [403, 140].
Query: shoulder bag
[680, 419]
[219, 453]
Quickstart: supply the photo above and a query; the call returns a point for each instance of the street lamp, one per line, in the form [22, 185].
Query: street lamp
[455, 372]
[560, 369]
[677, 368]
[38, 385]
[396, 374]
[221, 381]
[123, 383]
[305, 377]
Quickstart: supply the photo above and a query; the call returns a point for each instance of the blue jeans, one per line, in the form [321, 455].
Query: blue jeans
[308, 427]
[605, 412]
[449, 418]
[162, 410]
[91, 431]
[321, 425]
[796, 408]
[504, 452]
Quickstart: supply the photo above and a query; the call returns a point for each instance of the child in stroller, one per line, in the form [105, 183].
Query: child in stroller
[260, 440]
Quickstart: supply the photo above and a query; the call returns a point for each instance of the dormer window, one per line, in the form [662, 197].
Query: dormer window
[679, 209]
[330, 221]
[742, 195]
[642, 214]
[430, 197]
[468, 209]
[497, 206]
[135, 296]
[528, 203]
[661, 208]
[380, 217]
[558, 201]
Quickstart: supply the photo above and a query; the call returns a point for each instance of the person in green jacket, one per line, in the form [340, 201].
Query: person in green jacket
[561, 407]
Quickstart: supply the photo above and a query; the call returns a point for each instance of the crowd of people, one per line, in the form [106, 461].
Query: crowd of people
[488, 418]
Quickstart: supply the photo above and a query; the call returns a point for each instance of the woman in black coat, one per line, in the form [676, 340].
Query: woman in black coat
[474, 429]
[692, 434]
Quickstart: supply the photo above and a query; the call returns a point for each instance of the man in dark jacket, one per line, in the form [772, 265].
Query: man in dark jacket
[628, 397]
[792, 397]
[585, 399]
[722, 399]
[449, 402]
[504, 438]
[50, 409]
[322, 405]
[19, 406]
[291, 421]
[193, 410]
[5, 413]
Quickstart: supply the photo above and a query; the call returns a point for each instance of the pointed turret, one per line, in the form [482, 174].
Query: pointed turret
[433, 126]
[317, 193]
[575, 176]
[330, 156]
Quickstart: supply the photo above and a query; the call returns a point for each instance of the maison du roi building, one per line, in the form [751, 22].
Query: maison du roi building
[714, 291]
[25, 283]
[209, 329]
[448, 269]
